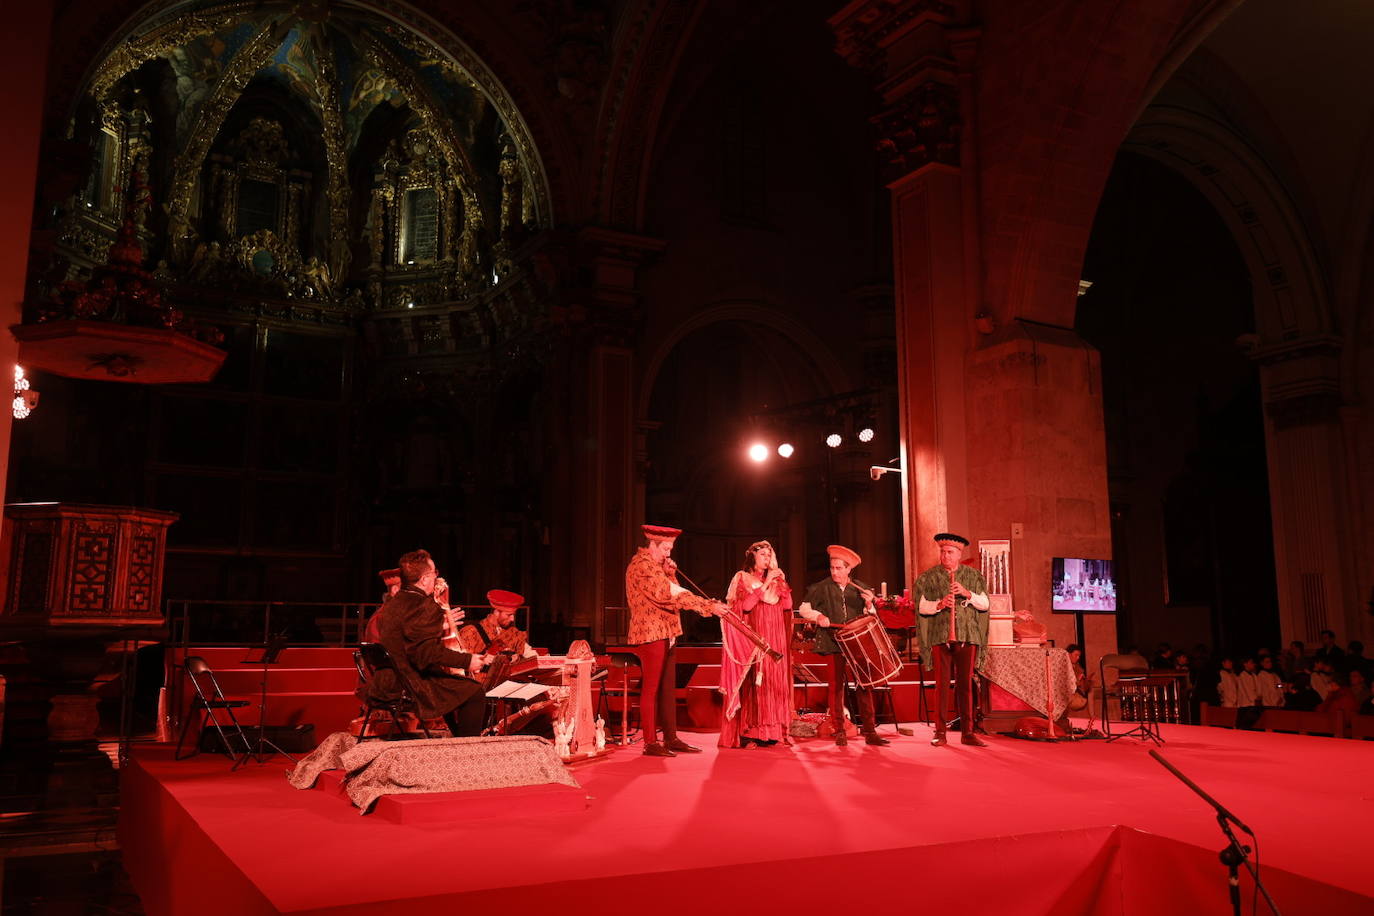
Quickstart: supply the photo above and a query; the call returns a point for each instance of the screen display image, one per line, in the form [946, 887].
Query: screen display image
[1083, 585]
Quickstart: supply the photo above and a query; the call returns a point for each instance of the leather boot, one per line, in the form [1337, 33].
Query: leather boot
[657, 750]
[841, 739]
[876, 740]
[972, 740]
[939, 739]
[677, 745]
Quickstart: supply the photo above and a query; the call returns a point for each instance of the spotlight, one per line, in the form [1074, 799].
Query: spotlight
[866, 434]
[785, 450]
[833, 440]
[758, 452]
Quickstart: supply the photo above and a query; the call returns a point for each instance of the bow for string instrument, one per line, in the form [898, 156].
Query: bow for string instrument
[729, 616]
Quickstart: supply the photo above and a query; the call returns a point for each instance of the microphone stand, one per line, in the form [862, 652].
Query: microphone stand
[1234, 855]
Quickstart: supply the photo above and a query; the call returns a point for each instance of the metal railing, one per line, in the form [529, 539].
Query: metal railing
[304, 623]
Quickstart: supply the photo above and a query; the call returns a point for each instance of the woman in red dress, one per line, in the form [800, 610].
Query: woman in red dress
[757, 709]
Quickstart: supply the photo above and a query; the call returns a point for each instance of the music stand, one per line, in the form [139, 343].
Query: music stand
[275, 644]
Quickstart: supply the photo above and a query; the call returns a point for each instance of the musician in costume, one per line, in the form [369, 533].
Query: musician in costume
[757, 689]
[833, 602]
[654, 597]
[391, 581]
[497, 631]
[952, 621]
[412, 630]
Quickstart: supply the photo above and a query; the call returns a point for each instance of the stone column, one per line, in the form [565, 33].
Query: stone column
[23, 63]
[607, 501]
[1315, 550]
[1002, 429]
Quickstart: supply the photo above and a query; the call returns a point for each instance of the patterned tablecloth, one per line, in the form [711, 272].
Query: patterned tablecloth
[376, 768]
[1020, 672]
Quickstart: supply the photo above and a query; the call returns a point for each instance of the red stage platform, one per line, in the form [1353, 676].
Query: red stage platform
[1024, 827]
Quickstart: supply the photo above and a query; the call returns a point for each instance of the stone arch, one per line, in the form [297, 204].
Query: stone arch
[1298, 350]
[750, 312]
[1291, 297]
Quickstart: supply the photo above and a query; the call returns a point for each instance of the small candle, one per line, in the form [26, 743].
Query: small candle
[884, 591]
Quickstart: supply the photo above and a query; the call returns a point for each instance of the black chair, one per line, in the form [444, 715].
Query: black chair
[212, 701]
[371, 658]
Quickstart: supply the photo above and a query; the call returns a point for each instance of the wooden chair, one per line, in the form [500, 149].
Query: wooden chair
[1302, 723]
[1220, 716]
[624, 661]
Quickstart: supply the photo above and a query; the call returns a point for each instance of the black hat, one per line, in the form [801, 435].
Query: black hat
[946, 536]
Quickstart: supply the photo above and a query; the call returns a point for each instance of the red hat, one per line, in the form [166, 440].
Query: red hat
[660, 532]
[844, 553]
[499, 597]
[389, 576]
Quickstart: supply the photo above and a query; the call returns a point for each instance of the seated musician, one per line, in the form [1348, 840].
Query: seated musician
[411, 629]
[391, 580]
[497, 631]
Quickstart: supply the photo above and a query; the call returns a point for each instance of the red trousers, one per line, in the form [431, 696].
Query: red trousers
[962, 655]
[839, 674]
[657, 690]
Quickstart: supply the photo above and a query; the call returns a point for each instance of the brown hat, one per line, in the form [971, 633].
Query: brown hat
[499, 597]
[389, 576]
[946, 536]
[838, 552]
[660, 532]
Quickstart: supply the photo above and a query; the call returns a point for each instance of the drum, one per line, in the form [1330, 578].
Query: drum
[868, 651]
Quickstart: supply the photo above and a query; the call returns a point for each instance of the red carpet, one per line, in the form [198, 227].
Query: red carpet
[1089, 828]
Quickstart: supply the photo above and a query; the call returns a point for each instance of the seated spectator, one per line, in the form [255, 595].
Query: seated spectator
[1270, 684]
[1300, 695]
[1228, 687]
[1359, 687]
[1322, 670]
[1164, 656]
[1248, 692]
[1354, 658]
[1340, 699]
[1295, 659]
[1328, 650]
[1079, 700]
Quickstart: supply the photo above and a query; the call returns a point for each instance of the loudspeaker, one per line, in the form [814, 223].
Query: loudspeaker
[294, 739]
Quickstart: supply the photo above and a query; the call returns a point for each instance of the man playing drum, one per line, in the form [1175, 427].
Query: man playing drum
[837, 601]
[953, 625]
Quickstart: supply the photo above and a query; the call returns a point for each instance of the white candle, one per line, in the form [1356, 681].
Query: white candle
[884, 591]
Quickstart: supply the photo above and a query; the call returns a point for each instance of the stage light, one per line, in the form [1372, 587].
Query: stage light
[758, 452]
[866, 434]
[833, 440]
[785, 450]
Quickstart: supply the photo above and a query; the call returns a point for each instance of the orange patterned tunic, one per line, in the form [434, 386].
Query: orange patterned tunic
[507, 639]
[653, 606]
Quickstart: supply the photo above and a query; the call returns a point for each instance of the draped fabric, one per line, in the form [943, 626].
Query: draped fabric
[377, 768]
[757, 690]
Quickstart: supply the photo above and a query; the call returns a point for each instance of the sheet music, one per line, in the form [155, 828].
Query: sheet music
[514, 690]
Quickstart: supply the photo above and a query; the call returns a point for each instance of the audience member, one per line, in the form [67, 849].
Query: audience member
[1328, 650]
[1270, 684]
[1228, 687]
[1163, 657]
[1359, 686]
[1248, 702]
[1300, 695]
[1295, 659]
[1340, 699]
[1322, 670]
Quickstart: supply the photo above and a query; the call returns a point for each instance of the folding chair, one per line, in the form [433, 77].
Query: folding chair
[370, 658]
[212, 701]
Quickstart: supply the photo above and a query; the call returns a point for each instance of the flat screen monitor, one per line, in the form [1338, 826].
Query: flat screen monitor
[1083, 586]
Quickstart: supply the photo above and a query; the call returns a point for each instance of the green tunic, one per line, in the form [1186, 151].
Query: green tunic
[970, 624]
[825, 597]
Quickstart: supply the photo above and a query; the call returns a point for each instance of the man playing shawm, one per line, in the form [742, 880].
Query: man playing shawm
[953, 627]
